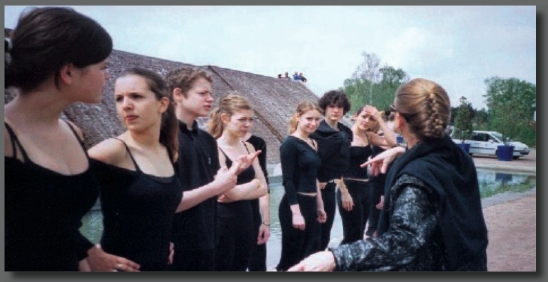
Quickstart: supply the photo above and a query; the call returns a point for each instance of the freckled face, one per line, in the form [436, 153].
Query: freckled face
[240, 122]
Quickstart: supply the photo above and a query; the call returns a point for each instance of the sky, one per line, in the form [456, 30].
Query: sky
[456, 46]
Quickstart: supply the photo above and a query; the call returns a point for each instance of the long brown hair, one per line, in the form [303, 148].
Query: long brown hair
[169, 127]
[45, 39]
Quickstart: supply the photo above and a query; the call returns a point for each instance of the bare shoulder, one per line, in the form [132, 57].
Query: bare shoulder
[76, 129]
[110, 151]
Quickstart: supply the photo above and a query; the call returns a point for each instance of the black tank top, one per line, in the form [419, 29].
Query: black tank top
[138, 211]
[358, 156]
[238, 208]
[43, 213]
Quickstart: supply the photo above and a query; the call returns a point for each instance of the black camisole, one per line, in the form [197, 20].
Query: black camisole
[43, 213]
[138, 211]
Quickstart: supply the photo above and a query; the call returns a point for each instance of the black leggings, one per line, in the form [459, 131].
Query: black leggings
[354, 221]
[257, 261]
[298, 244]
[193, 260]
[329, 206]
[376, 191]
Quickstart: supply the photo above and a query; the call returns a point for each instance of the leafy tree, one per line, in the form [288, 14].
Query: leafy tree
[511, 104]
[372, 84]
[480, 119]
[463, 121]
[391, 79]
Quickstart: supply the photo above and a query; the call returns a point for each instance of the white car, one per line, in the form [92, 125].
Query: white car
[486, 142]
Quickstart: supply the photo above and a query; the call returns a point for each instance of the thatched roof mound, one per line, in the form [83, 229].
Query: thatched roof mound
[274, 100]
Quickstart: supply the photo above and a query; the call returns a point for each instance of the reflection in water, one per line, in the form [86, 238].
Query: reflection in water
[488, 179]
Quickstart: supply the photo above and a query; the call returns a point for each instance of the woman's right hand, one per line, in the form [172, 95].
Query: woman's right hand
[347, 201]
[298, 221]
[98, 260]
[380, 162]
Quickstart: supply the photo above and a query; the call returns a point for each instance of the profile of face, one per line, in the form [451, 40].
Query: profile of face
[90, 81]
[309, 121]
[334, 112]
[137, 106]
[198, 100]
[240, 123]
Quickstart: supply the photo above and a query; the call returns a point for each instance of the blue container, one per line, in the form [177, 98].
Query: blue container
[464, 146]
[505, 152]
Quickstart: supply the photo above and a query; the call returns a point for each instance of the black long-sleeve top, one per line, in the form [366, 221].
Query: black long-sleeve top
[333, 149]
[300, 164]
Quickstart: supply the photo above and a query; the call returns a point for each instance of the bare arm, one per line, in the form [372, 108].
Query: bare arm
[225, 179]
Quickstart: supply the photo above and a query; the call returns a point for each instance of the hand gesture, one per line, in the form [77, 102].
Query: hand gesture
[320, 261]
[225, 179]
[373, 112]
[244, 161]
[380, 162]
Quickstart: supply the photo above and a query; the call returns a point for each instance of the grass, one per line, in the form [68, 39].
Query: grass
[490, 190]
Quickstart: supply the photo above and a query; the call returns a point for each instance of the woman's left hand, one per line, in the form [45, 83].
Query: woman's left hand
[264, 234]
[321, 261]
[322, 217]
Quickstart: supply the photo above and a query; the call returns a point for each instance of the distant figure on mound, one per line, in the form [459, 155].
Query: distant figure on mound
[296, 76]
[303, 79]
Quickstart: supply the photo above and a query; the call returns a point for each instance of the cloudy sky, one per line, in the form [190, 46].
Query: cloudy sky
[456, 46]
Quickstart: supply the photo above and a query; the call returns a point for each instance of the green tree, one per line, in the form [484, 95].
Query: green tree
[391, 79]
[511, 104]
[463, 121]
[372, 84]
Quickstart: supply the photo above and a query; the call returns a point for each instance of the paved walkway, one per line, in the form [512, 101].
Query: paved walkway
[511, 220]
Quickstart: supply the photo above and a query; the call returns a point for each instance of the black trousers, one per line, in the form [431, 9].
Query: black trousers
[298, 244]
[376, 191]
[193, 260]
[257, 261]
[330, 206]
[354, 221]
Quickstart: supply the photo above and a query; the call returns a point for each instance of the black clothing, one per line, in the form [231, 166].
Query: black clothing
[357, 156]
[376, 191]
[138, 210]
[432, 217]
[442, 165]
[257, 262]
[333, 149]
[236, 230]
[354, 221]
[330, 207]
[298, 244]
[43, 213]
[194, 229]
[410, 245]
[299, 168]
[300, 164]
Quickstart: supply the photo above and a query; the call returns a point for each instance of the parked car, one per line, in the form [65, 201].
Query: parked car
[486, 142]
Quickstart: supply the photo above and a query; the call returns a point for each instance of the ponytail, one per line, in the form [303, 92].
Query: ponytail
[215, 124]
